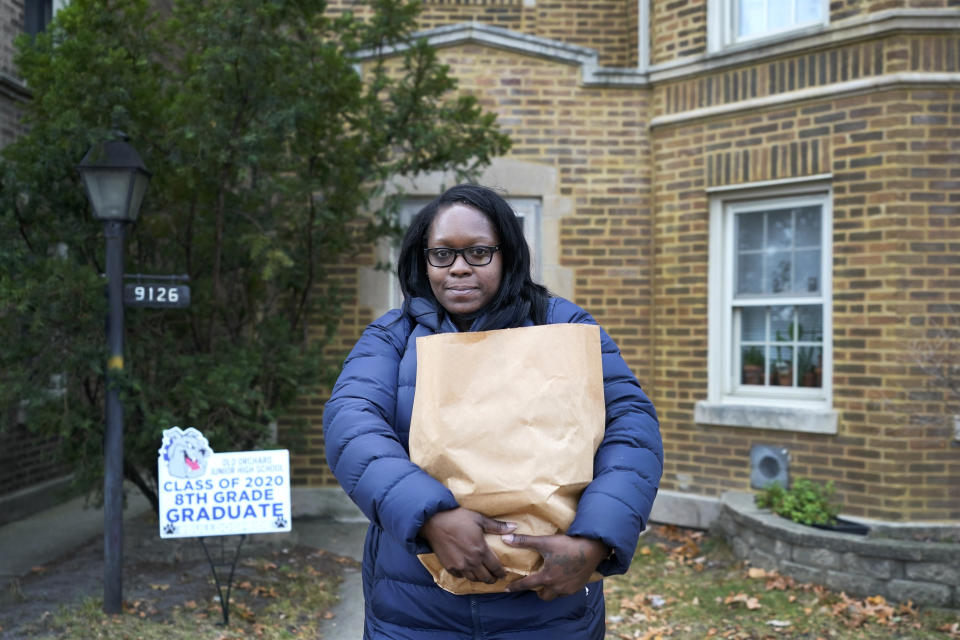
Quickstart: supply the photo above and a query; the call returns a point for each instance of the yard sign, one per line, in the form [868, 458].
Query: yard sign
[203, 493]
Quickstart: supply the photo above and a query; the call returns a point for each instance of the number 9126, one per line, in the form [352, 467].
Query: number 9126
[156, 295]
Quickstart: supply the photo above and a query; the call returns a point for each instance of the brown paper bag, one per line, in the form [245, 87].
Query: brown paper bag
[509, 421]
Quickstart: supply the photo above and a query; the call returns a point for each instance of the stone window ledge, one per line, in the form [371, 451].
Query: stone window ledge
[766, 417]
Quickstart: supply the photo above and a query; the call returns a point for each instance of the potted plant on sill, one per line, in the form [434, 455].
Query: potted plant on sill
[807, 370]
[752, 366]
[809, 503]
[781, 371]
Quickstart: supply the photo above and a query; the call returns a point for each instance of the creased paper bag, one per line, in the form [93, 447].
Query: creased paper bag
[509, 421]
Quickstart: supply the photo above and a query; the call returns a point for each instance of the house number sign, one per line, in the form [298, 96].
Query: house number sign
[156, 292]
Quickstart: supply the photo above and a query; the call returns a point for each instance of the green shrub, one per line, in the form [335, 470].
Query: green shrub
[806, 502]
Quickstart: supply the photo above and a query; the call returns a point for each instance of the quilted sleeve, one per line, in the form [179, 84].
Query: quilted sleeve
[362, 448]
[615, 506]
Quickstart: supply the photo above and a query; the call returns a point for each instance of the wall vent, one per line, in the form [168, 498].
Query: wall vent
[769, 464]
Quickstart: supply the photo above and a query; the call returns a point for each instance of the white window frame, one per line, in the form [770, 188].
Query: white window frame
[529, 209]
[643, 34]
[769, 407]
[722, 19]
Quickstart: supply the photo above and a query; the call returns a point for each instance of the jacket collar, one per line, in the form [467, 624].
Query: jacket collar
[426, 313]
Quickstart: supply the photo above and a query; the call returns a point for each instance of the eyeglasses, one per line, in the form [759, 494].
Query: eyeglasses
[478, 256]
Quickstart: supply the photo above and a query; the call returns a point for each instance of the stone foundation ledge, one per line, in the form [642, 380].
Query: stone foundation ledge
[926, 573]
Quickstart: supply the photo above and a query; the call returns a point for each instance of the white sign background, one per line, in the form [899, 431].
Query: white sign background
[240, 492]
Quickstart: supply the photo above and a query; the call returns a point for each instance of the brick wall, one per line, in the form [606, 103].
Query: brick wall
[11, 25]
[508, 14]
[603, 25]
[11, 93]
[608, 26]
[892, 155]
[677, 29]
[638, 238]
[849, 8]
[896, 280]
[869, 59]
[10, 126]
[308, 465]
[26, 460]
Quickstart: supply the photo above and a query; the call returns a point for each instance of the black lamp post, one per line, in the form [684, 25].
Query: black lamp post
[116, 180]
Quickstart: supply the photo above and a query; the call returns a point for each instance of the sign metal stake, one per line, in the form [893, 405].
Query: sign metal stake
[224, 599]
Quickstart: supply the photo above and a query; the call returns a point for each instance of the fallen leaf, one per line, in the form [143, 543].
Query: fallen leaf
[265, 592]
[756, 572]
[160, 587]
[328, 615]
[777, 582]
[750, 602]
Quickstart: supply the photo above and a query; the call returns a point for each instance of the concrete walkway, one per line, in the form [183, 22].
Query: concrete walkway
[47, 535]
[41, 538]
[344, 539]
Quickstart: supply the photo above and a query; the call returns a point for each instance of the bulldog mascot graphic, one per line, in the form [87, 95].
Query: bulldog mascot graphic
[185, 452]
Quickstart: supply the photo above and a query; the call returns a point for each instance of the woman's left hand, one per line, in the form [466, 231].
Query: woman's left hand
[568, 563]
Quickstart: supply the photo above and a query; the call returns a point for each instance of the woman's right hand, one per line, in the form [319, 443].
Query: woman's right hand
[456, 536]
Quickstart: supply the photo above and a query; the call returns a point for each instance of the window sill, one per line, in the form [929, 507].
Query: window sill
[766, 417]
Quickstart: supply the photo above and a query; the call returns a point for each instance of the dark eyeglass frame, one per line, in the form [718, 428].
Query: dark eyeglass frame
[431, 257]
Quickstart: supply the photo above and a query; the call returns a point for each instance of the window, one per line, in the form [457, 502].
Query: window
[777, 257]
[770, 261]
[37, 14]
[527, 210]
[736, 21]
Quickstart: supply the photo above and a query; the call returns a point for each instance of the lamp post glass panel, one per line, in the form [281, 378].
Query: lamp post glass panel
[116, 181]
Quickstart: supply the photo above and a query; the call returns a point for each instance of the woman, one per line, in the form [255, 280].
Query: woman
[465, 266]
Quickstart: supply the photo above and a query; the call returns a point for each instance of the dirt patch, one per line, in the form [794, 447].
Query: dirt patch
[161, 576]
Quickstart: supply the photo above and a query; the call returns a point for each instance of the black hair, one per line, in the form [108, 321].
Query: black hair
[518, 297]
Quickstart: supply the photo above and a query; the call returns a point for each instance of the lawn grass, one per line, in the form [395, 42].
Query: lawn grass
[274, 596]
[686, 584]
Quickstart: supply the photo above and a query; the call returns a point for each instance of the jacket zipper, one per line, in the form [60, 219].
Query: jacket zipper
[475, 614]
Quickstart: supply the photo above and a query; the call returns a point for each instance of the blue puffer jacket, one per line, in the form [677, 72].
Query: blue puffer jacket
[366, 430]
